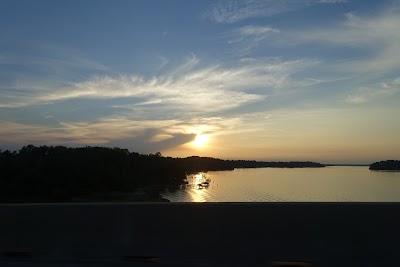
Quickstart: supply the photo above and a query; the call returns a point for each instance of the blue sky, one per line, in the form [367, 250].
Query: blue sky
[268, 80]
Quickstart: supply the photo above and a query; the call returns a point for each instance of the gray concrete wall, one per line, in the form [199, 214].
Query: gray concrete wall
[206, 234]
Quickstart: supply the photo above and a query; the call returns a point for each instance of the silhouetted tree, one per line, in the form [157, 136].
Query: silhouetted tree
[59, 173]
[388, 165]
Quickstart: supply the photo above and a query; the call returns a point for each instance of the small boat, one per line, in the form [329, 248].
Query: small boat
[205, 184]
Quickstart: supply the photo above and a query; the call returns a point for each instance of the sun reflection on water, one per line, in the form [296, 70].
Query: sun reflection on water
[198, 184]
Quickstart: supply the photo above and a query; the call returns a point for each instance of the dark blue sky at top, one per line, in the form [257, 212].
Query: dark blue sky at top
[128, 35]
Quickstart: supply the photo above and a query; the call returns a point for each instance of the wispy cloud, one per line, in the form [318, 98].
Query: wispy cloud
[377, 36]
[23, 77]
[257, 31]
[176, 105]
[58, 62]
[163, 62]
[345, 59]
[370, 94]
[234, 11]
[229, 11]
[356, 30]
[332, 1]
[189, 87]
[250, 36]
[138, 135]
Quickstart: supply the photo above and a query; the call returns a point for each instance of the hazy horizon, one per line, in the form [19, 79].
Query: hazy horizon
[286, 159]
[288, 80]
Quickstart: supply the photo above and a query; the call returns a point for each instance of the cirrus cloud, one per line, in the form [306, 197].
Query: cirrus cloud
[149, 113]
[190, 87]
[368, 94]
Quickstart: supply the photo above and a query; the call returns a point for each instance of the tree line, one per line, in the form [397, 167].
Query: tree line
[386, 165]
[59, 173]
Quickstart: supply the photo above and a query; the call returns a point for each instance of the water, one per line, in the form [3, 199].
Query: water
[341, 184]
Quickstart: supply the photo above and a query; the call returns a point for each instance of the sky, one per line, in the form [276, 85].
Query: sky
[285, 80]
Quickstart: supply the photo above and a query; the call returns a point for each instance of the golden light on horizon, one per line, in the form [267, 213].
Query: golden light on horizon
[200, 140]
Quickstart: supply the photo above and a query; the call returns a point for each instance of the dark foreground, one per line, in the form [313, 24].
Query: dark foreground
[208, 234]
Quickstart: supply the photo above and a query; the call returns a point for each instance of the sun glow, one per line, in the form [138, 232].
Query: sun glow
[200, 140]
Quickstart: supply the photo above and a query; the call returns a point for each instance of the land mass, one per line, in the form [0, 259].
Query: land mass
[387, 165]
[62, 174]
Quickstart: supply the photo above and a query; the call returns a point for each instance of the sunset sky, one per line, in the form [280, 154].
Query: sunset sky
[267, 80]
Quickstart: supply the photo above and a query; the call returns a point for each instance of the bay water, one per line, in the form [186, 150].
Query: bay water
[329, 184]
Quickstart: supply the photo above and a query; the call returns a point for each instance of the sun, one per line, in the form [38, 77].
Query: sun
[200, 140]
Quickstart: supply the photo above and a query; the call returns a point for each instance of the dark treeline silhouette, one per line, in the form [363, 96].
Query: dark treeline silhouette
[387, 165]
[196, 164]
[58, 173]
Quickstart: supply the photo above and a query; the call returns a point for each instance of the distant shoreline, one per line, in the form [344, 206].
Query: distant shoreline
[64, 174]
[387, 165]
[348, 165]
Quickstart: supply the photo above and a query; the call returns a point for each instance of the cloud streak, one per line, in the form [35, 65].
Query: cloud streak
[234, 11]
[377, 37]
[332, 1]
[150, 113]
[138, 135]
[369, 94]
[250, 36]
[188, 87]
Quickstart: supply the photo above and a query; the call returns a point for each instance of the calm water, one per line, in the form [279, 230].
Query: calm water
[275, 184]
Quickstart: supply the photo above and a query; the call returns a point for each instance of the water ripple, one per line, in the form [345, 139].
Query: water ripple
[342, 184]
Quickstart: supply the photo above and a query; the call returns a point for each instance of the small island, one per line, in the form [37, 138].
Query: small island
[387, 165]
[95, 174]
